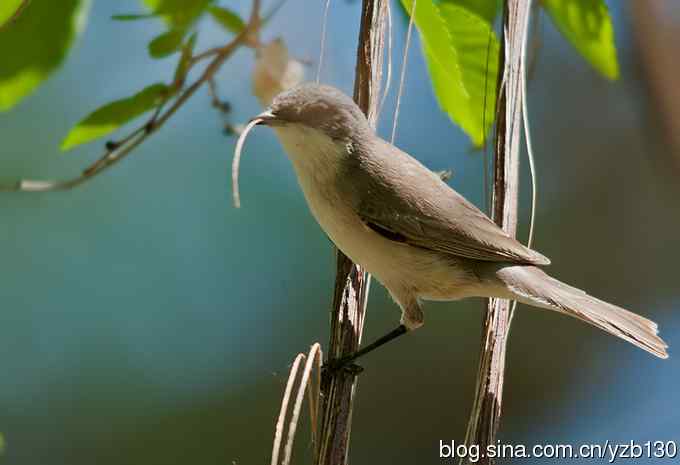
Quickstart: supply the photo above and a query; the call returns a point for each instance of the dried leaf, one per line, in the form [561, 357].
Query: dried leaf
[275, 71]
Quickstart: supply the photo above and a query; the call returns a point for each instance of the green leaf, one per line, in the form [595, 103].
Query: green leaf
[133, 17]
[227, 18]
[167, 43]
[111, 116]
[178, 13]
[10, 9]
[485, 9]
[184, 60]
[461, 52]
[35, 45]
[588, 26]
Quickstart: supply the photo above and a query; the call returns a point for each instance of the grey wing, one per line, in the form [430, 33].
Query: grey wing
[431, 216]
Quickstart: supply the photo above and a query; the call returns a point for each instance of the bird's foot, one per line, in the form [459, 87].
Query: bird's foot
[331, 367]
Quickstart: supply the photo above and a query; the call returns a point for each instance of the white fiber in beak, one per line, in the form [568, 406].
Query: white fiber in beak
[237, 160]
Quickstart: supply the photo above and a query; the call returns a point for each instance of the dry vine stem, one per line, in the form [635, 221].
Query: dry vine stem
[314, 358]
[351, 282]
[118, 150]
[486, 410]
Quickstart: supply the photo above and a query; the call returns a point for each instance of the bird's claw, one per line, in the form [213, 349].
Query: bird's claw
[331, 366]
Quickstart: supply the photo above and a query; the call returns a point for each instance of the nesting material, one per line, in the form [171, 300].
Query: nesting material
[236, 162]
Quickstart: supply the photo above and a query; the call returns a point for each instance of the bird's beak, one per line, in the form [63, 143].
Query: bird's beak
[266, 117]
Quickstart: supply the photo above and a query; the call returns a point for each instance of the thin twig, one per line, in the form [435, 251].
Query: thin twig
[524, 72]
[278, 434]
[486, 410]
[388, 77]
[485, 151]
[313, 360]
[314, 393]
[119, 150]
[402, 77]
[272, 12]
[206, 54]
[322, 49]
[351, 282]
[313, 356]
[212, 91]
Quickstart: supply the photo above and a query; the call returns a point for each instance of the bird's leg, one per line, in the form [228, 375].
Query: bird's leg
[348, 359]
[411, 318]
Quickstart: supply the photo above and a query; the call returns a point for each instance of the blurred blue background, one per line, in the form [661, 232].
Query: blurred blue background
[145, 320]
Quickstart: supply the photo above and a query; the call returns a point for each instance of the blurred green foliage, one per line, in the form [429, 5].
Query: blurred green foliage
[35, 45]
[227, 18]
[461, 51]
[166, 43]
[588, 26]
[9, 9]
[111, 116]
[487, 9]
[148, 322]
[184, 62]
[458, 39]
[178, 14]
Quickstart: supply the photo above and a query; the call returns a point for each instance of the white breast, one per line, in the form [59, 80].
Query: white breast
[316, 159]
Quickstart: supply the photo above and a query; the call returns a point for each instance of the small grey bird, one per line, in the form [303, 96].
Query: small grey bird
[420, 238]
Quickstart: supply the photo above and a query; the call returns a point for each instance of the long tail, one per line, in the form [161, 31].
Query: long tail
[530, 285]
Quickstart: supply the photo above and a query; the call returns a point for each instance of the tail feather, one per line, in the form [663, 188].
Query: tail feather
[532, 286]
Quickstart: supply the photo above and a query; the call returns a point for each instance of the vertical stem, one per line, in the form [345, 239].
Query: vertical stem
[351, 283]
[656, 34]
[486, 410]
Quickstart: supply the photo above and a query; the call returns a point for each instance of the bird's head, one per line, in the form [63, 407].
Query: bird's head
[315, 108]
[319, 127]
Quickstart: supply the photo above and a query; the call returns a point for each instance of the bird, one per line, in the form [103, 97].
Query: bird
[415, 234]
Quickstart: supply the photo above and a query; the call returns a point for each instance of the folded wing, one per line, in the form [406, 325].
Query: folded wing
[406, 202]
